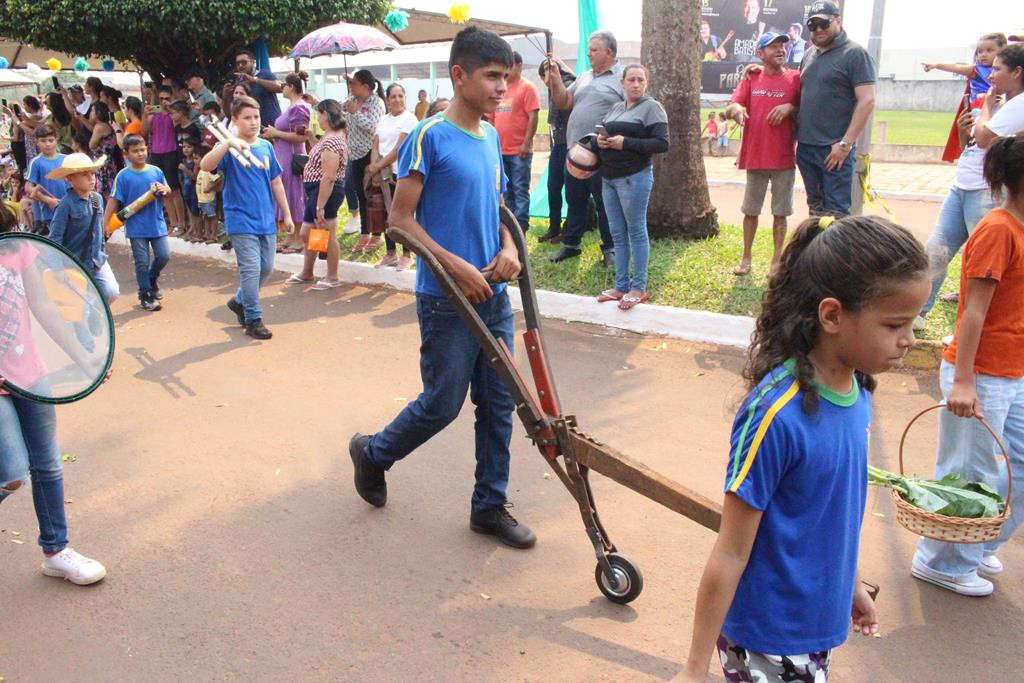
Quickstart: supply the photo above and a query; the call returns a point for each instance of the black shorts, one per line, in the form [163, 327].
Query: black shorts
[330, 208]
[168, 163]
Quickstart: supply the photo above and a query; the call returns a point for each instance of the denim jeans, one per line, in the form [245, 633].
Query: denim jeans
[517, 193]
[255, 257]
[625, 201]
[556, 181]
[148, 270]
[828, 192]
[577, 195]
[451, 362]
[351, 197]
[960, 213]
[28, 445]
[966, 447]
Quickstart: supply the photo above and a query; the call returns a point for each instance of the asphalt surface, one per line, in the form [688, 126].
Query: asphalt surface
[212, 479]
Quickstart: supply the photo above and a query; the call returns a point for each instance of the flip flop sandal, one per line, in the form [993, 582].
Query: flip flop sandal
[296, 280]
[323, 285]
[741, 270]
[952, 297]
[609, 295]
[627, 303]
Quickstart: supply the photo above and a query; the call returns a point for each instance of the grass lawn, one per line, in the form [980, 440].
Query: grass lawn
[904, 127]
[696, 275]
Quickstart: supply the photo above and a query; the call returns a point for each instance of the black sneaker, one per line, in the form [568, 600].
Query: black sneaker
[237, 309]
[565, 253]
[150, 303]
[226, 246]
[553, 235]
[257, 330]
[369, 478]
[500, 522]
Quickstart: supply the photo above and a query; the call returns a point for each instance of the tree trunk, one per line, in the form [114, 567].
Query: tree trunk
[680, 204]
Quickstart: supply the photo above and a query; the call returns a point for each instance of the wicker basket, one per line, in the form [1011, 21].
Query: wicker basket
[943, 527]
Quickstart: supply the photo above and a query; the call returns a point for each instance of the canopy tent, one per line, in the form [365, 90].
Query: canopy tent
[434, 27]
[8, 77]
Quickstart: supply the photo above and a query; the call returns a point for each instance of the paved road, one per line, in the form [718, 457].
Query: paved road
[212, 479]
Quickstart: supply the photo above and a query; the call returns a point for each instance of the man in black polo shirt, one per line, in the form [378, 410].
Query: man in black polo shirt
[837, 97]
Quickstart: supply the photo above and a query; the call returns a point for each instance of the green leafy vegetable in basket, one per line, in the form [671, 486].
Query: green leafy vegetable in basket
[952, 495]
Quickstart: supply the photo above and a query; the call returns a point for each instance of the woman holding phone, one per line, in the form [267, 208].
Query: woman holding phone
[631, 133]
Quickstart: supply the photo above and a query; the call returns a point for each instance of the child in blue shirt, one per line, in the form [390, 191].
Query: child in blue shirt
[449, 190]
[146, 230]
[45, 192]
[977, 73]
[249, 194]
[780, 587]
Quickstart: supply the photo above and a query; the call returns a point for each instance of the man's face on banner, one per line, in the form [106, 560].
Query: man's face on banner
[705, 31]
[751, 9]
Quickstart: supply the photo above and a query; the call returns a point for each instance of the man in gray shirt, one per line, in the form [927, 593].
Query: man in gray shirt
[837, 96]
[590, 97]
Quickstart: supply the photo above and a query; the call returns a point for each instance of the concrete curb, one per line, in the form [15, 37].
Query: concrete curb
[668, 321]
[884, 194]
[652, 319]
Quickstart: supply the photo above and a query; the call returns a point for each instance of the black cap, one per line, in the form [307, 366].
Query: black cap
[823, 9]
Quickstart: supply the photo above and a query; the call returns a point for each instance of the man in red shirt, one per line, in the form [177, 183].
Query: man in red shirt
[516, 121]
[766, 104]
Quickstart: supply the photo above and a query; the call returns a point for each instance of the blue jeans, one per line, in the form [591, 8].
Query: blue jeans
[966, 447]
[577, 195]
[451, 362]
[517, 193]
[960, 213]
[28, 445]
[148, 270]
[556, 181]
[625, 201]
[828, 192]
[255, 257]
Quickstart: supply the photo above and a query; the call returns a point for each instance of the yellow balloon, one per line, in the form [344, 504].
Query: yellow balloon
[53, 64]
[459, 13]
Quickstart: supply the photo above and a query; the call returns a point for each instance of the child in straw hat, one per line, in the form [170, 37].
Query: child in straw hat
[77, 221]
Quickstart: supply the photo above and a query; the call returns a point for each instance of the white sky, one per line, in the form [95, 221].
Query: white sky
[908, 23]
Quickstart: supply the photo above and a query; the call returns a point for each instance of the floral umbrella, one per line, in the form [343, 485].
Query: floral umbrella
[342, 39]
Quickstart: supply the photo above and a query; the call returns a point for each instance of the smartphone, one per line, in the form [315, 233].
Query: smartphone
[5, 101]
[967, 102]
[601, 130]
[56, 83]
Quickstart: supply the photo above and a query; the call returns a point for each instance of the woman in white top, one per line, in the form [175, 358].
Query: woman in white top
[392, 130]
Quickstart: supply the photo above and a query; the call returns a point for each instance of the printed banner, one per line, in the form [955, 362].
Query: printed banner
[729, 30]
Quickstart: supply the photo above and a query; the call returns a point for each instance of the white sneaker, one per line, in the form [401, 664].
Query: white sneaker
[353, 226]
[67, 564]
[990, 565]
[918, 324]
[968, 584]
[947, 340]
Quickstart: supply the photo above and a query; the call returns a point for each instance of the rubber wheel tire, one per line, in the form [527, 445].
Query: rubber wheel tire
[630, 580]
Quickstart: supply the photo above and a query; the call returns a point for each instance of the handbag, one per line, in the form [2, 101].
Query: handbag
[299, 162]
[318, 239]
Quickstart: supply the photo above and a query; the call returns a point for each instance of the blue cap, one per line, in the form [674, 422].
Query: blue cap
[767, 39]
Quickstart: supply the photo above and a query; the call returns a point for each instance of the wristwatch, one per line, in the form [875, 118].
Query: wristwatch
[844, 145]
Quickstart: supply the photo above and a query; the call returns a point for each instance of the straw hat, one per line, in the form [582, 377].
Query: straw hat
[75, 163]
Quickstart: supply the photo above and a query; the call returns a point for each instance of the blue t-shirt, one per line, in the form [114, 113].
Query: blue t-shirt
[808, 474]
[270, 108]
[980, 84]
[129, 185]
[248, 200]
[463, 180]
[37, 170]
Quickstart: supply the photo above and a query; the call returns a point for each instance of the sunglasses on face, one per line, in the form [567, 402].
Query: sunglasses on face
[819, 24]
[165, 99]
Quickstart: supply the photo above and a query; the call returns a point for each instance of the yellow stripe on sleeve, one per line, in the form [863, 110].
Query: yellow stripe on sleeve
[418, 161]
[762, 429]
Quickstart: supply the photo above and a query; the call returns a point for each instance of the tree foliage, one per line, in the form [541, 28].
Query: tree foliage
[680, 202]
[168, 37]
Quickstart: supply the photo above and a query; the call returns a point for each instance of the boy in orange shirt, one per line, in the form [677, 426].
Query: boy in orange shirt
[516, 121]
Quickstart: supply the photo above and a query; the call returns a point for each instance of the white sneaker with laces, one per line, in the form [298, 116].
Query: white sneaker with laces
[947, 340]
[78, 569]
[353, 226]
[918, 324]
[990, 565]
[968, 584]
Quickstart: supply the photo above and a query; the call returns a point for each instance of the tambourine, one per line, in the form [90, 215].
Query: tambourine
[56, 330]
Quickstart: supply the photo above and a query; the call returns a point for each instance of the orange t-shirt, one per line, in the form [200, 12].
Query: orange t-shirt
[995, 251]
[133, 128]
[513, 113]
